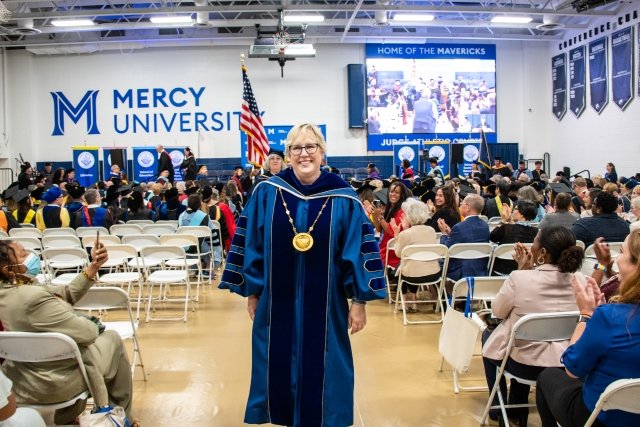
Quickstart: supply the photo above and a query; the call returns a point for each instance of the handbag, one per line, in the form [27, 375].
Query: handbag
[459, 334]
[105, 417]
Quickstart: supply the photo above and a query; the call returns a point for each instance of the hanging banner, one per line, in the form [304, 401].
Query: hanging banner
[409, 151]
[622, 67]
[145, 163]
[111, 156]
[470, 154]
[559, 85]
[441, 150]
[85, 162]
[577, 79]
[277, 136]
[177, 157]
[598, 85]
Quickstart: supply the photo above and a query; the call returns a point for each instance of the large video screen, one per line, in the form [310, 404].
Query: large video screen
[430, 92]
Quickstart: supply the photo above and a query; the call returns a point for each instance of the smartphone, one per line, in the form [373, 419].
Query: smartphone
[97, 239]
[376, 203]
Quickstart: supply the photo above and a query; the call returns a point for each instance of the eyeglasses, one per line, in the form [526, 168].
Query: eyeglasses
[309, 148]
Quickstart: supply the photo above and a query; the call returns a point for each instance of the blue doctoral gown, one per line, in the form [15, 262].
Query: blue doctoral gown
[302, 373]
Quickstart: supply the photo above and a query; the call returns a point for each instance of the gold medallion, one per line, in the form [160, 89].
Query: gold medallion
[302, 242]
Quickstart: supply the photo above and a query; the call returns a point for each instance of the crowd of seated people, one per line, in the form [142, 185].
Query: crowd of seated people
[524, 207]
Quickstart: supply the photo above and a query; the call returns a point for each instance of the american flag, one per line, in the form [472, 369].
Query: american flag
[251, 124]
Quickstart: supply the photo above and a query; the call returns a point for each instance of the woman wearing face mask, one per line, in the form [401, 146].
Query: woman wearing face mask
[26, 306]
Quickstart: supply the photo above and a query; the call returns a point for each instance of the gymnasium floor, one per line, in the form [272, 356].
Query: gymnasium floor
[199, 372]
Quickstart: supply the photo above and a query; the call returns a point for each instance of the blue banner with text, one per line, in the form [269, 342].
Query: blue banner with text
[622, 67]
[577, 79]
[559, 85]
[85, 162]
[598, 83]
[145, 163]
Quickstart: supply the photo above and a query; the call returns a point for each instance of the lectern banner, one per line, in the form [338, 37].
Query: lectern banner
[598, 84]
[559, 85]
[622, 67]
[85, 162]
[577, 78]
[145, 163]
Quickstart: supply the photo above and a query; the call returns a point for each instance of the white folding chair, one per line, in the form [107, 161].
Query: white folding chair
[471, 251]
[179, 275]
[590, 258]
[125, 229]
[542, 327]
[140, 241]
[30, 243]
[120, 257]
[140, 221]
[205, 233]
[580, 244]
[3, 234]
[485, 290]
[390, 247]
[193, 260]
[158, 229]
[60, 241]
[109, 298]
[27, 225]
[40, 347]
[422, 253]
[91, 231]
[56, 259]
[484, 218]
[494, 222]
[621, 395]
[173, 222]
[107, 240]
[62, 231]
[25, 232]
[505, 252]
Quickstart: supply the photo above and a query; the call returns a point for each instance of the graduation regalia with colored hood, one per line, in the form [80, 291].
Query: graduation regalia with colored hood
[302, 372]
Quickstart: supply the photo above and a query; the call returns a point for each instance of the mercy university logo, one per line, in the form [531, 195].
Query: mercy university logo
[63, 107]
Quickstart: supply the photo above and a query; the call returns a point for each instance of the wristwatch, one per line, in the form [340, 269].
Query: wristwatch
[583, 318]
[600, 267]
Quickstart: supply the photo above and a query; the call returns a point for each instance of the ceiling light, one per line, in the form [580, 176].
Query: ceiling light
[303, 18]
[511, 19]
[413, 17]
[178, 19]
[72, 22]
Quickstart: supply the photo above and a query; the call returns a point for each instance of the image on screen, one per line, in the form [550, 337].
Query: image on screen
[435, 95]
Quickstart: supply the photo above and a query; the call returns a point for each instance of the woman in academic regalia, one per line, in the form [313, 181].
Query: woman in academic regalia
[303, 248]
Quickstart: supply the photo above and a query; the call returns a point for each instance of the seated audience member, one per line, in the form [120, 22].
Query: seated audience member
[634, 214]
[27, 306]
[10, 415]
[75, 202]
[170, 208]
[472, 230]
[493, 206]
[537, 172]
[415, 232]
[579, 187]
[53, 215]
[24, 213]
[499, 168]
[529, 193]
[604, 348]
[193, 216]
[155, 196]
[522, 170]
[516, 228]
[588, 199]
[382, 220]
[561, 215]
[624, 204]
[542, 284]
[137, 208]
[604, 223]
[445, 207]
[234, 198]
[272, 166]
[58, 177]
[115, 175]
[603, 272]
[219, 212]
[94, 215]
[181, 186]
[407, 171]
[373, 172]
[203, 173]
[69, 176]
[163, 177]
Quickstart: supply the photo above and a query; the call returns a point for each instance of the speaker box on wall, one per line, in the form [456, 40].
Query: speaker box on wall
[357, 95]
[457, 153]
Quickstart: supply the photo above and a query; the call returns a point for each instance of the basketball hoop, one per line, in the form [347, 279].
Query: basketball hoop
[282, 40]
[5, 14]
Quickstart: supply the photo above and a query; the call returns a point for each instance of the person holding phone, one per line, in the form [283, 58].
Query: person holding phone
[27, 306]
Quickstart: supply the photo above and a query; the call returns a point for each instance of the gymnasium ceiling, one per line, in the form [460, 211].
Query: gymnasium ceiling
[126, 24]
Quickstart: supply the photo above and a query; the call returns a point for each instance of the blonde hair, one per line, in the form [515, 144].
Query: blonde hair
[629, 290]
[303, 129]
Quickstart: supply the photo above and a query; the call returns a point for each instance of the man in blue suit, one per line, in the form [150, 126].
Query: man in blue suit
[471, 230]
